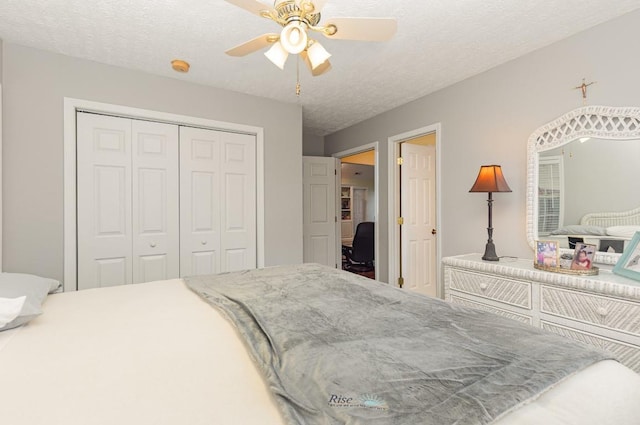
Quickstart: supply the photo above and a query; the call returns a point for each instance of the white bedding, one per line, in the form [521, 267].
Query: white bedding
[143, 354]
[155, 353]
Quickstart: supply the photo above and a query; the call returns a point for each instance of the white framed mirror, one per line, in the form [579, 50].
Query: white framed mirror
[583, 182]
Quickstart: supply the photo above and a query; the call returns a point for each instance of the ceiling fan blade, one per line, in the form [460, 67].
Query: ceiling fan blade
[253, 45]
[364, 29]
[252, 6]
[318, 4]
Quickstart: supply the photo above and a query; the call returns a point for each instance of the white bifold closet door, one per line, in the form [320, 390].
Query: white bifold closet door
[217, 201]
[127, 189]
[158, 201]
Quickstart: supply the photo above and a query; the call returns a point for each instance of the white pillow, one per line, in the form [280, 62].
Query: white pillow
[623, 231]
[33, 288]
[10, 308]
[23, 278]
[580, 229]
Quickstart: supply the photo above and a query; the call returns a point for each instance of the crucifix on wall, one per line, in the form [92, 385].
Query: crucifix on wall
[583, 89]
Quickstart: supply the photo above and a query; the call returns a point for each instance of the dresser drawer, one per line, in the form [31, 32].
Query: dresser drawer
[493, 287]
[593, 309]
[495, 310]
[628, 354]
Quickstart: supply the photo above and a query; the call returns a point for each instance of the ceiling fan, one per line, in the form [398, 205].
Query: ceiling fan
[297, 17]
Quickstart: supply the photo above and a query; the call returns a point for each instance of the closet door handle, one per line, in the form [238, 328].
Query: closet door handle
[203, 242]
[152, 244]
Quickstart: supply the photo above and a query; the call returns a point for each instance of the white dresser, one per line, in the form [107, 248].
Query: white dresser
[602, 310]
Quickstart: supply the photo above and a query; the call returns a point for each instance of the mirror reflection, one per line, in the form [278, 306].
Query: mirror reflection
[588, 158]
[589, 191]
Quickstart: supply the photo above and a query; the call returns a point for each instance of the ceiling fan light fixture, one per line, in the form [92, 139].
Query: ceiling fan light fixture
[294, 37]
[319, 69]
[277, 54]
[317, 55]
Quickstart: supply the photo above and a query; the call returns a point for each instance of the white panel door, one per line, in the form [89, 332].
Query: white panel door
[217, 201]
[238, 206]
[104, 201]
[418, 176]
[320, 211]
[156, 253]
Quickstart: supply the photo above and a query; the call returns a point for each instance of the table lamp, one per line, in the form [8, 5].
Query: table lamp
[490, 179]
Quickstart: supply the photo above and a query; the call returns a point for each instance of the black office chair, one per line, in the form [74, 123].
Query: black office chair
[360, 255]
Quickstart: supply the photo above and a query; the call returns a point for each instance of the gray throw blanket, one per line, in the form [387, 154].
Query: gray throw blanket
[337, 348]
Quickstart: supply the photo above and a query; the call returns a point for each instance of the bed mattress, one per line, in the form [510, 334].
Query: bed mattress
[144, 354]
[155, 353]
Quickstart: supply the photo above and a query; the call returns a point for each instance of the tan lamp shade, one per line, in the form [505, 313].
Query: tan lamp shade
[490, 179]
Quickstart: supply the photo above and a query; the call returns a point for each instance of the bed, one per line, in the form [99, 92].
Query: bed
[609, 231]
[158, 353]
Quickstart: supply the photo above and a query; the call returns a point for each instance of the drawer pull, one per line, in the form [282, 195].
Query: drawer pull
[152, 244]
[602, 311]
[483, 286]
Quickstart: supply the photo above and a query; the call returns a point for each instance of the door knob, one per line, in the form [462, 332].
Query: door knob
[433, 231]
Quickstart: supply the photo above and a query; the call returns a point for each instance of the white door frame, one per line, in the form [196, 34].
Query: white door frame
[376, 209]
[71, 106]
[393, 200]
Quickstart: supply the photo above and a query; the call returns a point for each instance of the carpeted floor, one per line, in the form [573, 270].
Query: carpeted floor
[370, 274]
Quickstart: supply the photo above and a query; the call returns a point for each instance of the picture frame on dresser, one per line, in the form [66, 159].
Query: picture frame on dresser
[547, 253]
[583, 256]
[629, 263]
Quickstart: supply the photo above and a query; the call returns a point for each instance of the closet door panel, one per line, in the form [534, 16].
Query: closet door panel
[156, 252]
[153, 267]
[203, 235]
[112, 271]
[111, 203]
[204, 262]
[104, 201]
[157, 201]
[199, 201]
[238, 225]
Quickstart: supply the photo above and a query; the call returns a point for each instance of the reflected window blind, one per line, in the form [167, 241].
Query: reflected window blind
[549, 194]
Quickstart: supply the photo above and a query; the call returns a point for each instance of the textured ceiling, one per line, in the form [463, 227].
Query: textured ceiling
[438, 43]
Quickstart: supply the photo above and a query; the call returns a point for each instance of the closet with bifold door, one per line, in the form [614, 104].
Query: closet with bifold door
[158, 201]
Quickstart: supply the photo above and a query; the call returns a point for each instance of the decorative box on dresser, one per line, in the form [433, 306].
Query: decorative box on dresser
[601, 310]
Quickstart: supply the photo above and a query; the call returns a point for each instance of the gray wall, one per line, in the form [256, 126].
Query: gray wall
[312, 145]
[592, 187]
[488, 118]
[35, 83]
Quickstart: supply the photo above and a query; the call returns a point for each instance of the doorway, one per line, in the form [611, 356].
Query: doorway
[358, 209]
[414, 210]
